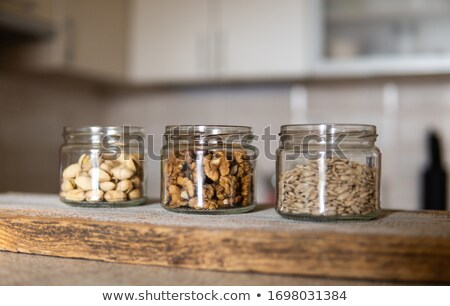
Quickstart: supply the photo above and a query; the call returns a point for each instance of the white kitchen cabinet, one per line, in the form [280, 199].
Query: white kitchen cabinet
[89, 40]
[25, 19]
[138, 41]
[31, 9]
[95, 38]
[369, 38]
[169, 41]
[264, 38]
[42, 22]
[173, 41]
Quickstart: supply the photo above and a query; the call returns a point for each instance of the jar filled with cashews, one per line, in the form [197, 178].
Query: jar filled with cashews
[328, 172]
[208, 169]
[102, 166]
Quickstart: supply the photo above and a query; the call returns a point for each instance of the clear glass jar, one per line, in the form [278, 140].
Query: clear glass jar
[328, 172]
[208, 169]
[103, 166]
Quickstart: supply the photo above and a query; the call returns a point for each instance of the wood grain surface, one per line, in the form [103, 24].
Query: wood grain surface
[23, 269]
[399, 246]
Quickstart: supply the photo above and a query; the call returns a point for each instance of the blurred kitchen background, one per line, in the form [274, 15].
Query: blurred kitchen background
[254, 62]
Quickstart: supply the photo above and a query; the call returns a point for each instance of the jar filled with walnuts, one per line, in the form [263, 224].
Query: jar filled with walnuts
[208, 169]
[328, 172]
[102, 166]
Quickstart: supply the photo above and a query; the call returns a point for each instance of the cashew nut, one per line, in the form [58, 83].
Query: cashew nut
[67, 185]
[71, 171]
[94, 195]
[107, 186]
[75, 195]
[100, 175]
[95, 179]
[122, 172]
[84, 182]
[135, 194]
[115, 196]
[125, 186]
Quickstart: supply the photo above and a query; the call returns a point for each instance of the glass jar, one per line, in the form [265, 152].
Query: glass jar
[103, 166]
[208, 169]
[328, 172]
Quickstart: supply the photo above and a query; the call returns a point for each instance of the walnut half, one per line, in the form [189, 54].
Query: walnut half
[225, 180]
[211, 168]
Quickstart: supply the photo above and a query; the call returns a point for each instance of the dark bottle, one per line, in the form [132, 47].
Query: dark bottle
[434, 177]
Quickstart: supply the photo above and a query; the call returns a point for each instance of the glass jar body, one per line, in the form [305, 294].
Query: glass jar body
[206, 174]
[317, 183]
[92, 175]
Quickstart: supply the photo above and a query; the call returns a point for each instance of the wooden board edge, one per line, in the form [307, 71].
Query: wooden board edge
[307, 253]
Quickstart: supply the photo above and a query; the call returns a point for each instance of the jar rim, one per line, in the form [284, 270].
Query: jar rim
[329, 129]
[207, 130]
[101, 130]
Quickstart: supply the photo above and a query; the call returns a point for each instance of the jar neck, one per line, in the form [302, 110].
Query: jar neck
[96, 135]
[326, 136]
[208, 135]
[212, 140]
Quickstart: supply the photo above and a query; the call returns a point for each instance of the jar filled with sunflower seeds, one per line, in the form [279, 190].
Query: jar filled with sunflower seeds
[102, 166]
[328, 172]
[208, 169]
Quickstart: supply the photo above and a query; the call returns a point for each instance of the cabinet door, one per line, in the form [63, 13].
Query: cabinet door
[169, 40]
[27, 8]
[40, 54]
[264, 38]
[95, 37]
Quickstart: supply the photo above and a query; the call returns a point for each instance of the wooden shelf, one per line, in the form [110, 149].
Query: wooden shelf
[399, 246]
